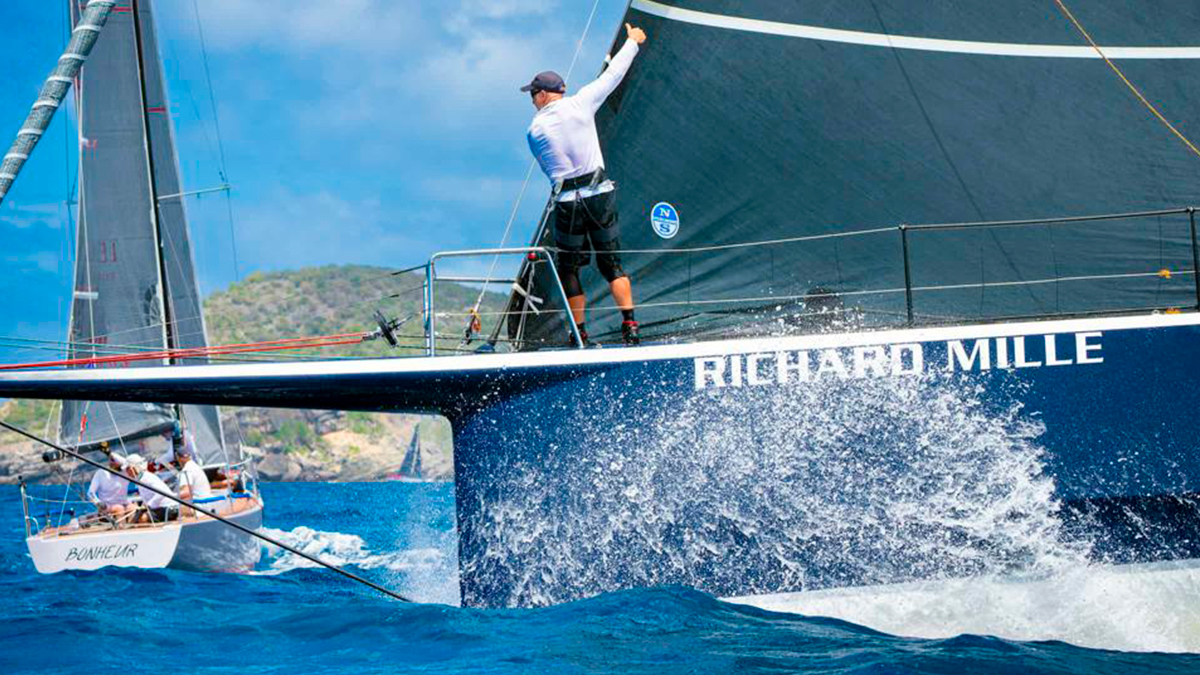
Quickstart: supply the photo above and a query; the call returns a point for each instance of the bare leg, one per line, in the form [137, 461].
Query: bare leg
[578, 305]
[622, 292]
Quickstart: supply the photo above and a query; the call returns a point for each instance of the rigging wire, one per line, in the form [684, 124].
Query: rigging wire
[1136, 92]
[212, 99]
[532, 164]
[196, 352]
[211, 514]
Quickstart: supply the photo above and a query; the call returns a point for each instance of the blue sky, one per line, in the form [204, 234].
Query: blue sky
[355, 131]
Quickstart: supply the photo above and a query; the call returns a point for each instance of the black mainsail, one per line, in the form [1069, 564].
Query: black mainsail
[757, 120]
[135, 284]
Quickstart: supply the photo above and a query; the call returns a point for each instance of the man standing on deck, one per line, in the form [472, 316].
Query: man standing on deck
[563, 138]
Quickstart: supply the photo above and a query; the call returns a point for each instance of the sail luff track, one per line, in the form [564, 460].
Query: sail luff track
[83, 38]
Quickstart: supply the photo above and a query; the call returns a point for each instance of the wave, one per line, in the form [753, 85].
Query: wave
[340, 549]
[1143, 608]
[426, 574]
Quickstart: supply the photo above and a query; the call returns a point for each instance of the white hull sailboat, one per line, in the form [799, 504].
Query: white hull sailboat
[135, 288]
[197, 543]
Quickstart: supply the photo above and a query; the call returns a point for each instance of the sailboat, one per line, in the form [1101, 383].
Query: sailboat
[135, 288]
[918, 288]
[410, 467]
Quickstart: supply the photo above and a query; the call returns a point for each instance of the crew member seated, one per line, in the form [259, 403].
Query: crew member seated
[221, 479]
[193, 484]
[110, 493]
[159, 508]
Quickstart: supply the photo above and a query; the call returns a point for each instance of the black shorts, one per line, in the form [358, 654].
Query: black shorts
[163, 514]
[585, 225]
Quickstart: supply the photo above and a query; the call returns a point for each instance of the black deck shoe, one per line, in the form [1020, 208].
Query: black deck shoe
[629, 333]
[587, 341]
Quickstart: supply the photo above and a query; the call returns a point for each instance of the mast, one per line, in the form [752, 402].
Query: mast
[182, 308]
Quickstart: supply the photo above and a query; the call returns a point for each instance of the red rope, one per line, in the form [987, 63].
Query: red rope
[196, 352]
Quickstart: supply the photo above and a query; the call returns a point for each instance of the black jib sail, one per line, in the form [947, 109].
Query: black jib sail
[828, 124]
[130, 293]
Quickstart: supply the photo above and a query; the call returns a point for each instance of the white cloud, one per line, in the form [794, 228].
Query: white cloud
[441, 65]
[470, 13]
[42, 261]
[415, 101]
[24, 216]
[308, 26]
[481, 190]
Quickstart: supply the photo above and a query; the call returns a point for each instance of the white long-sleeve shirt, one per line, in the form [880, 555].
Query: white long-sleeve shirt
[151, 499]
[108, 489]
[563, 134]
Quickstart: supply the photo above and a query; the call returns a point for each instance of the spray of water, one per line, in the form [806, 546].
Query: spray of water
[753, 490]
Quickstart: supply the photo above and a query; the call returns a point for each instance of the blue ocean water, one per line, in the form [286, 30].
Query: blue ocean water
[288, 618]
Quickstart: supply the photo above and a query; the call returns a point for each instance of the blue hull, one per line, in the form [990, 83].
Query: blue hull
[768, 466]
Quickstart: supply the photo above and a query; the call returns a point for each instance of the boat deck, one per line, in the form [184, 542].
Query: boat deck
[94, 524]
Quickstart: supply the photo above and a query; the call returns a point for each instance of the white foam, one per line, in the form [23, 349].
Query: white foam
[1153, 607]
[343, 550]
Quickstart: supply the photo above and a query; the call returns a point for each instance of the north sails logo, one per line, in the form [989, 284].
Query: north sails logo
[110, 552]
[794, 366]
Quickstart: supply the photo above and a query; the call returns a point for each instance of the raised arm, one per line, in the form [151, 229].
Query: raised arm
[595, 93]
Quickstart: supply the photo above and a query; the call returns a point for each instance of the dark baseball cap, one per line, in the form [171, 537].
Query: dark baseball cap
[546, 81]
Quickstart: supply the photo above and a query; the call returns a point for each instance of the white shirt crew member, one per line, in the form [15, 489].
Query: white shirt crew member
[193, 476]
[151, 499]
[563, 135]
[108, 489]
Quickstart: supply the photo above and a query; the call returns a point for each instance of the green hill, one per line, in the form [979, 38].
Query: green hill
[333, 300]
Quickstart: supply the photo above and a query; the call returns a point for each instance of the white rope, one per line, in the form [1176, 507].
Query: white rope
[512, 218]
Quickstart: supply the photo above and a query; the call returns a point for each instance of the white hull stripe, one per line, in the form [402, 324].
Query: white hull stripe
[907, 42]
[648, 353]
